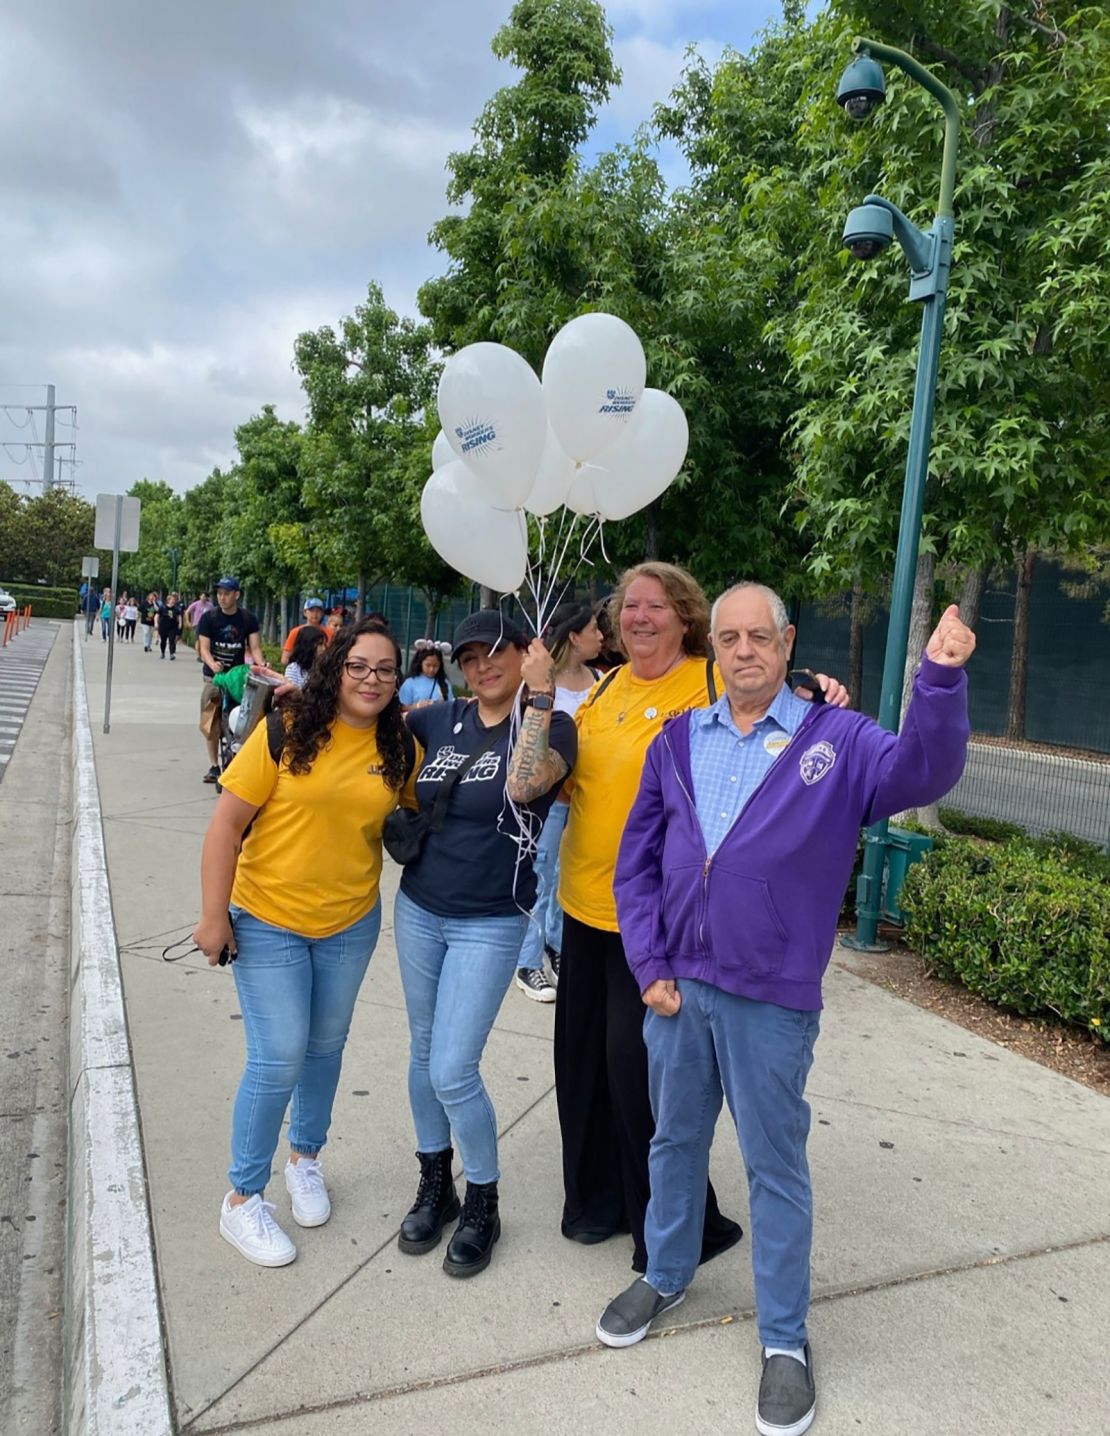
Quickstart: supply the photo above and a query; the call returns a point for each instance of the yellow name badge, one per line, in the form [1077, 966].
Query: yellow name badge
[774, 743]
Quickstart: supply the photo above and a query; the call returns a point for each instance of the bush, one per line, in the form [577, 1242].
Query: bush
[993, 829]
[1025, 924]
[45, 602]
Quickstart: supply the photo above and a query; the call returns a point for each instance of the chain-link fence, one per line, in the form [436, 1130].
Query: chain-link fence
[1056, 775]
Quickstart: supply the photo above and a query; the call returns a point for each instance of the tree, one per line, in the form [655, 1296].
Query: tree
[368, 387]
[43, 539]
[206, 509]
[161, 531]
[528, 134]
[264, 501]
[1020, 447]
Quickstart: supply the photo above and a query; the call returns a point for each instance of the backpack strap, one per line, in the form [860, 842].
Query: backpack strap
[275, 733]
[410, 752]
[600, 689]
[710, 680]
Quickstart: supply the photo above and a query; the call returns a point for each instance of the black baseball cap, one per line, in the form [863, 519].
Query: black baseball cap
[488, 626]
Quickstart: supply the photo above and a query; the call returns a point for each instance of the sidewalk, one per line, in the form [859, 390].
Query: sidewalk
[962, 1245]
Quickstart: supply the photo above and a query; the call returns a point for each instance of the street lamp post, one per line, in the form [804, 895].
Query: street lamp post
[869, 230]
[173, 554]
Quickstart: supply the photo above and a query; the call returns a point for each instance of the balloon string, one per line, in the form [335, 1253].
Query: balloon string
[557, 567]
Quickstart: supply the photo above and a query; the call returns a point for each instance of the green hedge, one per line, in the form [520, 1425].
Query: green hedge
[34, 594]
[1025, 923]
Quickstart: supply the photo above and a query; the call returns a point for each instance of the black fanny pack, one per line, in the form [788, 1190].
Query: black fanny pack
[404, 832]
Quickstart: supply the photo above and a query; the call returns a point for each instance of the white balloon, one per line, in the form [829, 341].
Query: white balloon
[554, 479]
[582, 497]
[492, 411]
[485, 544]
[642, 466]
[442, 452]
[593, 378]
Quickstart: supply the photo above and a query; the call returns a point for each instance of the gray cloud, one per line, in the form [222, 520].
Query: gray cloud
[183, 188]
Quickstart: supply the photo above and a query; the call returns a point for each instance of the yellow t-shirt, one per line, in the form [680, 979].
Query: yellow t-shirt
[312, 861]
[613, 738]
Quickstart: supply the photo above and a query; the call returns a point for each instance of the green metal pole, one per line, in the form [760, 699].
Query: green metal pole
[869, 885]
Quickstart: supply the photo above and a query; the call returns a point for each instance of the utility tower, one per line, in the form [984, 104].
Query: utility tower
[48, 444]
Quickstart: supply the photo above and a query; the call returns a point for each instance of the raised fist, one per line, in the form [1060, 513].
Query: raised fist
[952, 643]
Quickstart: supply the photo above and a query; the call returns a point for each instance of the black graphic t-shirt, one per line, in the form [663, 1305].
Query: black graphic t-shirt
[467, 868]
[149, 612]
[169, 617]
[227, 633]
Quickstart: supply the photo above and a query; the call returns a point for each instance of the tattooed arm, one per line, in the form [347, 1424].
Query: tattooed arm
[535, 767]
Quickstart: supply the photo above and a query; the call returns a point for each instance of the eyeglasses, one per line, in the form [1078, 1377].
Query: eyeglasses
[358, 670]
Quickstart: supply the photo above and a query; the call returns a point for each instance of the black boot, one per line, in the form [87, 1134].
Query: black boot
[470, 1249]
[436, 1203]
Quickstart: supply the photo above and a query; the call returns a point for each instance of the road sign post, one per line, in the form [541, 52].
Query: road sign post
[117, 528]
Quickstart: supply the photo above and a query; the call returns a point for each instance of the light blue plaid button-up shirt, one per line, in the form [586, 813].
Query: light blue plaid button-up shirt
[727, 766]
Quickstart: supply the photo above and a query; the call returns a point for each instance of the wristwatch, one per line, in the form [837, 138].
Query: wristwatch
[542, 701]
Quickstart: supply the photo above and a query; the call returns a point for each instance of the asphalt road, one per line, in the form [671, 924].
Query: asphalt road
[34, 900]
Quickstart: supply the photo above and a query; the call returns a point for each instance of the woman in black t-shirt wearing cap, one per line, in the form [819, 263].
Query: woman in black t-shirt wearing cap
[462, 910]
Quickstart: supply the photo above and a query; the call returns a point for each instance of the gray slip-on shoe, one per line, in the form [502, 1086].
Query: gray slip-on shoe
[628, 1317]
[787, 1396]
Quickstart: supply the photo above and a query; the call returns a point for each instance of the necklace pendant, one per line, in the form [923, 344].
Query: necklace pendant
[620, 717]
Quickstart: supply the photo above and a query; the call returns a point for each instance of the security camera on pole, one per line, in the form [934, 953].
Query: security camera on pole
[868, 231]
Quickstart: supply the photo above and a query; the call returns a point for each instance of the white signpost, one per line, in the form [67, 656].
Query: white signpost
[117, 528]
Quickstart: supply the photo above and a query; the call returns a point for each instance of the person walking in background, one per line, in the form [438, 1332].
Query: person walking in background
[130, 618]
[121, 621]
[311, 639]
[148, 617]
[731, 873]
[90, 605]
[313, 618]
[169, 625]
[197, 609]
[573, 639]
[105, 613]
[426, 681]
[460, 915]
[301, 950]
[225, 635]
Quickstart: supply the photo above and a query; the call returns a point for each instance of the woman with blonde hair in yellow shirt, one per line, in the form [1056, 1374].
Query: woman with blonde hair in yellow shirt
[661, 618]
[300, 947]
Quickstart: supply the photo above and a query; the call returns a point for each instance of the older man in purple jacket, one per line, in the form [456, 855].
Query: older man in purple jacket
[732, 868]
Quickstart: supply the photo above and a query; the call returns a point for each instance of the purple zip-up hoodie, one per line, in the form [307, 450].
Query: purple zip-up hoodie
[758, 917]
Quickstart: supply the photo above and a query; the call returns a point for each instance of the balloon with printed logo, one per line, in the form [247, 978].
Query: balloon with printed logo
[442, 452]
[593, 376]
[553, 481]
[641, 466]
[485, 544]
[492, 411]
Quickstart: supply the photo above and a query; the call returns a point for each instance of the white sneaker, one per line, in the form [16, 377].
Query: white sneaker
[251, 1229]
[304, 1181]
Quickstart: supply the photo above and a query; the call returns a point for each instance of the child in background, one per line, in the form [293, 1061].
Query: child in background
[306, 649]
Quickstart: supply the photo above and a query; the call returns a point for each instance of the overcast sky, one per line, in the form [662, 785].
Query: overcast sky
[184, 188]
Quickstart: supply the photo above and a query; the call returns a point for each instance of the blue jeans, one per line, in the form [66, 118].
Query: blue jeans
[759, 1054]
[546, 926]
[104, 622]
[455, 972]
[297, 995]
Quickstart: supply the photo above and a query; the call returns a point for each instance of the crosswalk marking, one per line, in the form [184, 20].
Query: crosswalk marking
[21, 665]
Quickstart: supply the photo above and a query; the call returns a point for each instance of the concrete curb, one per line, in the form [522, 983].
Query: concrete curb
[115, 1370]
